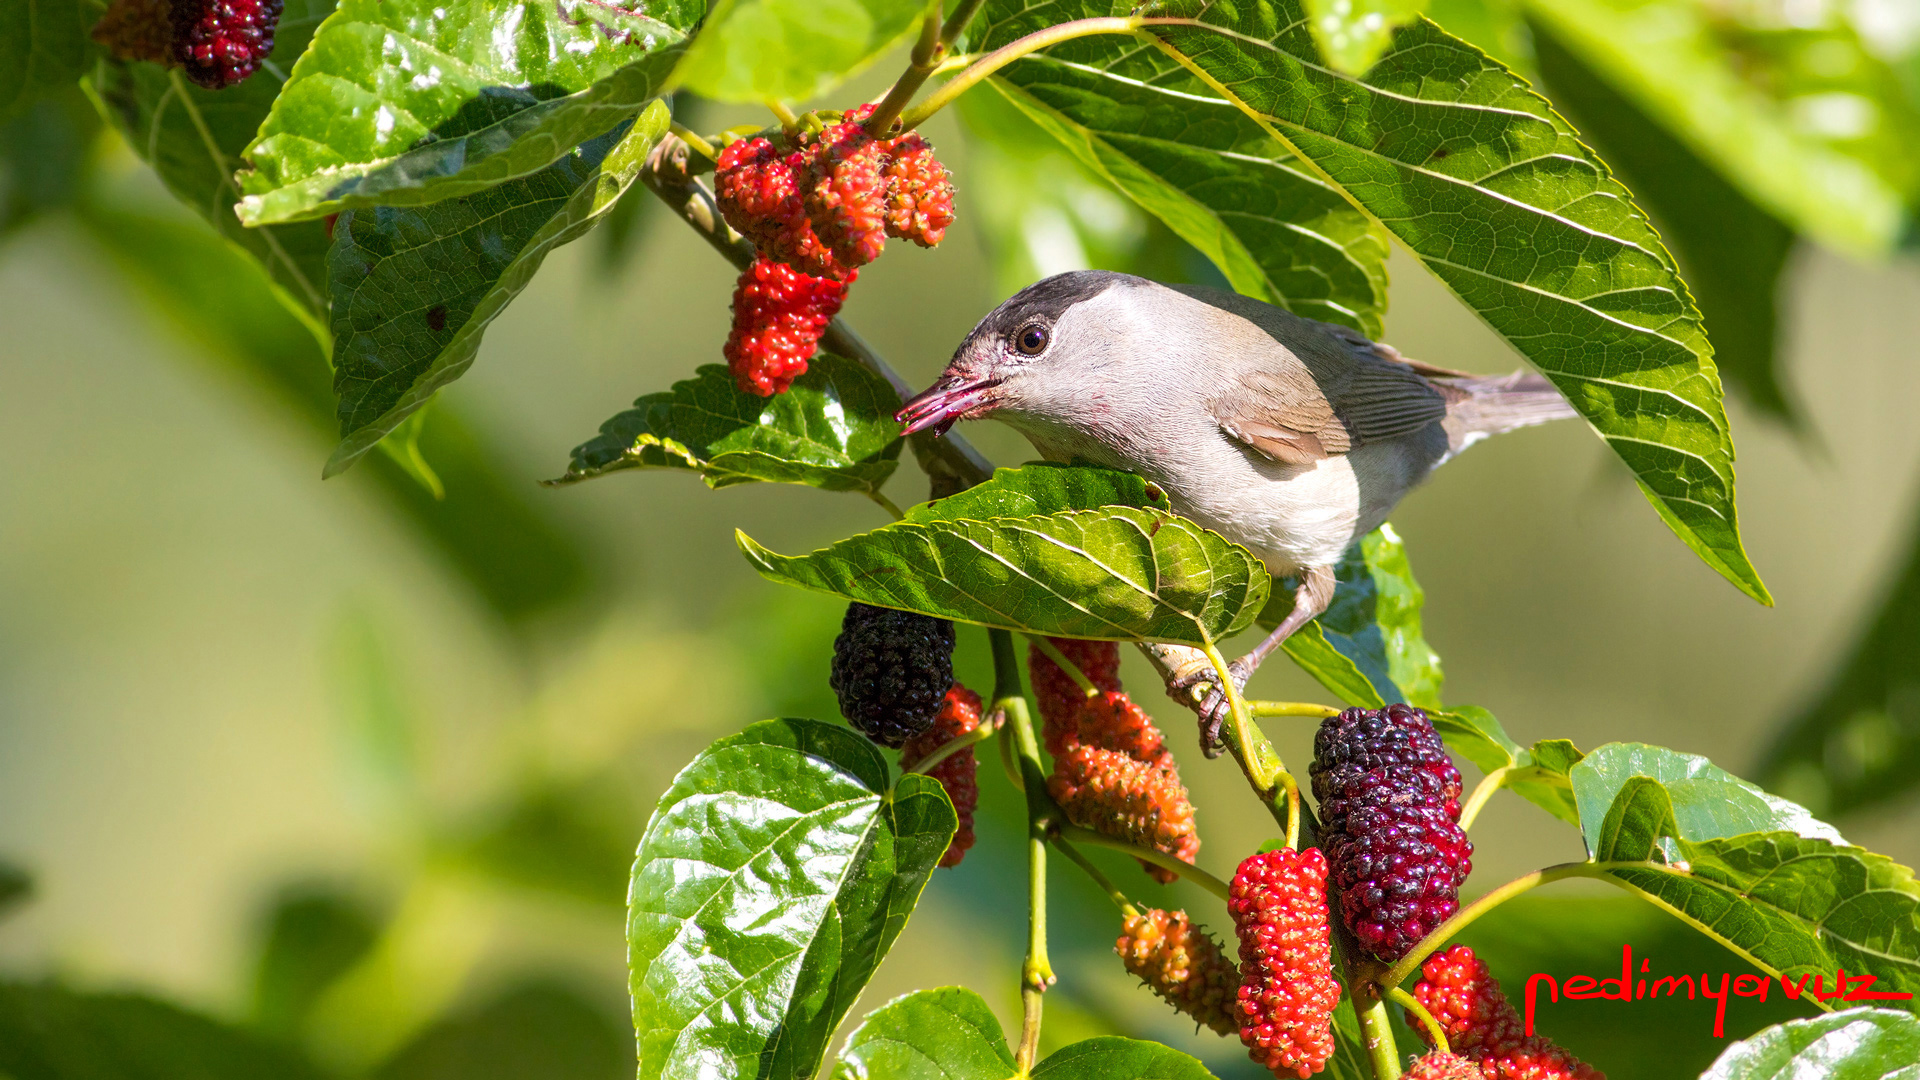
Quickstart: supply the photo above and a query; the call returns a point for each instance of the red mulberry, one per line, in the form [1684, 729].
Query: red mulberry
[221, 42]
[1287, 993]
[844, 192]
[1114, 794]
[959, 772]
[1060, 699]
[892, 671]
[757, 192]
[1482, 1026]
[1390, 805]
[1438, 1066]
[919, 192]
[1182, 964]
[779, 315]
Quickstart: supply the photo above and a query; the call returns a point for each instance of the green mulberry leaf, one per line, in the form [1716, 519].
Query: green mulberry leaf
[832, 429]
[405, 102]
[1858, 1044]
[752, 50]
[775, 874]
[414, 288]
[943, 1034]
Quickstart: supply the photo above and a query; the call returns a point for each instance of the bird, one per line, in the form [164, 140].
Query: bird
[1289, 436]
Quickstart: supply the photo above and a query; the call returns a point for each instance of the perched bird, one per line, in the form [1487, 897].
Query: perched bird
[1289, 436]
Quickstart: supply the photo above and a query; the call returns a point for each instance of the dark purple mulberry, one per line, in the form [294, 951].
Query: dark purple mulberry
[891, 671]
[1390, 810]
[221, 42]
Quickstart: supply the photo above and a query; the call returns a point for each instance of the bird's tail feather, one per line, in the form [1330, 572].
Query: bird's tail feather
[1493, 404]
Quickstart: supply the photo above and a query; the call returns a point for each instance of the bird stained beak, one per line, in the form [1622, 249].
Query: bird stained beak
[936, 408]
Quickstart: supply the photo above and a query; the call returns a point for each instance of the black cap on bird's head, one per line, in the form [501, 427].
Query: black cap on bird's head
[1014, 335]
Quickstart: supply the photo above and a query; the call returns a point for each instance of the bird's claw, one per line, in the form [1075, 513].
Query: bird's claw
[1199, 690]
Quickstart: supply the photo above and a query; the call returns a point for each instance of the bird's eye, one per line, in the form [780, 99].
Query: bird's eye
[1031, 341]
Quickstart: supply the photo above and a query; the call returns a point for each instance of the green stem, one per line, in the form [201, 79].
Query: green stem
[1483, 791]
[1436, 1034]
[1376, 1030]
[886, 504]
[1007, 54]
[1053, 653]
[957, 22]
[1106, 884]
[1291, 708]
[1078, 835]
[1441, 934]
[927, 54]
[953, 746]
[691, 138]
[1036, 974]
[1257, 757]
[784, 114]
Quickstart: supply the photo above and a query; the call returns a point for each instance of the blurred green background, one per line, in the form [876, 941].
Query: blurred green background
[362, 770]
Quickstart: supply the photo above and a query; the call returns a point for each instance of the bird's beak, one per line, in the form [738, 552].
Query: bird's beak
[938, 406]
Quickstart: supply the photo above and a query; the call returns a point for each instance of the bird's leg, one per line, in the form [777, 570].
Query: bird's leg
[1191, 680]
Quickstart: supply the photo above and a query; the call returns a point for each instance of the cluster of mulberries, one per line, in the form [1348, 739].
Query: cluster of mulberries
[1287, 992]
[1182, 964]
[1439, 1066]
[1390, 810]
[821, 207]
[778, 317]
[217, 43]
[958, 772]
[1482, 1026]
[891, 672]
[1111, 770]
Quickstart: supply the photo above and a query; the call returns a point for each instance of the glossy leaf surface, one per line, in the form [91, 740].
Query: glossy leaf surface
[833, 429]
[414, 288]
[1732, 250]
[1114, 1058]
[1858, 1044]
[193, 138]
[1040, 487]
[404, 102]
[1267, 220]
[1477, 176]
[944, 1034]
[1117, 574]
[752, 50]
[774, 876]
[1367, 646]
[1537, 774]
[1783, 895]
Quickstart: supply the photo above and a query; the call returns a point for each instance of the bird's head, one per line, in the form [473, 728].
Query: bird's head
[1027, 352]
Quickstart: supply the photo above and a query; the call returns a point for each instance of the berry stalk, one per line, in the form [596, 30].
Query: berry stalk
[1446, 931]
[1036, 973]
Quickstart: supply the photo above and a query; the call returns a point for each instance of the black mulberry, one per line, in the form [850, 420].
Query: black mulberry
[221, 42]
[1390, 806]
[891, 671]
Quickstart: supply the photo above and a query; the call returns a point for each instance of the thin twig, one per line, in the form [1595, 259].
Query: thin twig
[1446, 931]
[1436, 1034]
[1291, 708]
[1106, 884]
[1072, 670]
[953, 746]
[1484, 790]
[1007, 54]
[1078, 835]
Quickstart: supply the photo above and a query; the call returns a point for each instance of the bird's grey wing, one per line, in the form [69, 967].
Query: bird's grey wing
[1328, 392]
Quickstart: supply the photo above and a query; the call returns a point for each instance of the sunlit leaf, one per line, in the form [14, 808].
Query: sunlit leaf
[1367, 646]
[1537, 774]
[404, 102]
[1040, 487]
[1482, 182]
[775, 874]
[415, 288]
[1118, 574]
[1268, 221]
[1733, 251]
[1682, 66]
[1757, 874]
[1113, 1058]
[943, 1034]
[43, 49]
[1858, 1044]
[832, 429]
[752, 50]
[193, 138]
[1353, 33]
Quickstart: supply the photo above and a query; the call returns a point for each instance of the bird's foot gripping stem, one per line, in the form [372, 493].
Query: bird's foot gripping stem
[1190, 677]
